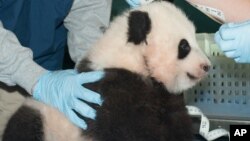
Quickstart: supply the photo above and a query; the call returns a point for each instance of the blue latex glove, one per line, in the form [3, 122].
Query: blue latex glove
[234, 40]
[136, 3]
[63, 89]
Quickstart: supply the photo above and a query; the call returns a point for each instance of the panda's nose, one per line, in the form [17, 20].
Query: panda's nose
[205, 67]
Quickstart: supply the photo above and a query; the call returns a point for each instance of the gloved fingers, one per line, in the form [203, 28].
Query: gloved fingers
[241, 60]
[217, 37]
[146, 1]
[90, 96]
[84, 109]
[231, 54]
[133, 3]
[232, 25]
[224, 45]
[70, 71]
[226, 33]
[76, 120]
[238, 60]
[89, 77]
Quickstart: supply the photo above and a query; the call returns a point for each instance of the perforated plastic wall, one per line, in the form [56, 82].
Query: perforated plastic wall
[225, 93]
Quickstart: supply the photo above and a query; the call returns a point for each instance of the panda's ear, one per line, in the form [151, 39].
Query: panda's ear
[139, 25]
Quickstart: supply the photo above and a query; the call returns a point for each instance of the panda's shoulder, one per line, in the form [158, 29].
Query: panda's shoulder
[123, 77]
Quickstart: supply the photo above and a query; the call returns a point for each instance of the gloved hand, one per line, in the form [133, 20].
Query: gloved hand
[63, 89]
[234, 40]
[136, 3]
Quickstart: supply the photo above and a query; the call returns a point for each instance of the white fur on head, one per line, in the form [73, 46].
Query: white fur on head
[158, 56]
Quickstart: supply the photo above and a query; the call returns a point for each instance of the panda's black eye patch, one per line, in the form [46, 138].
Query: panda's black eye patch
[183, 49]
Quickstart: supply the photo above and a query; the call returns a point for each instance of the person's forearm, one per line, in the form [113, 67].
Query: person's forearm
[234, 10]
[16, 62]
[86, 23]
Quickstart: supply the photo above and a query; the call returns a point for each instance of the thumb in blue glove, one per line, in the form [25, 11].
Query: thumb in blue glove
[234, 40]
[136, 3]
[63, 89]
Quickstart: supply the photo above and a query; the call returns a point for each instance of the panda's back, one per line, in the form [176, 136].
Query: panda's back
[135, 108]
[138, 108]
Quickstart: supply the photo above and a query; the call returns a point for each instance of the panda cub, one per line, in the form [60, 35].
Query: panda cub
[150, 56]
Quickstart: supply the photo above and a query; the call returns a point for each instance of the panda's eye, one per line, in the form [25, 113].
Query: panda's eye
[183, 49]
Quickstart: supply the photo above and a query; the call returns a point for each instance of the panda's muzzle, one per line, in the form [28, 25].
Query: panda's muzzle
[192, 77]
[204, 68]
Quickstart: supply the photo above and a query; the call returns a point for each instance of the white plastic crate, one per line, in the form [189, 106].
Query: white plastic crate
[225, 93]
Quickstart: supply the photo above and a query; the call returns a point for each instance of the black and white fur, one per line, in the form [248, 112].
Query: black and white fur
[150, 56]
